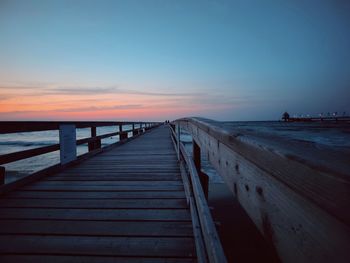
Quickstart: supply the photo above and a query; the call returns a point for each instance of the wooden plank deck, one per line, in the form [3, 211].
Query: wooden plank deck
[124, 205]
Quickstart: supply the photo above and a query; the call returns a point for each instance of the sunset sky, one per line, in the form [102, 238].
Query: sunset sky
[156, 60]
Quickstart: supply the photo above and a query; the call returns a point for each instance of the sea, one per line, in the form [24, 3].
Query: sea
[15, 142]
[326, 143]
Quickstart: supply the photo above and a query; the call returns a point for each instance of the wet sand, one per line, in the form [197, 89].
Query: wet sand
[241, 240]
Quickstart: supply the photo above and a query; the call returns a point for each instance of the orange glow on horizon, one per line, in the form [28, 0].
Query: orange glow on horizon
[31, 104]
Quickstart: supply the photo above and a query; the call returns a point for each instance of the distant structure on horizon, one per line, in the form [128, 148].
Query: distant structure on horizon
[329, 118]
[285, 116]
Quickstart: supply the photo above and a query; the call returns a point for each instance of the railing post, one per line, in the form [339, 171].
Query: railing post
[2, 175]
[178, 140]
[68, 143]
[94, 144]
[141, 130]
[134, 131]
[204, 179]
[122, 135]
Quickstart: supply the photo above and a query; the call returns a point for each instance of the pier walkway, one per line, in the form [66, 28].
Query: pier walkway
[127, 204]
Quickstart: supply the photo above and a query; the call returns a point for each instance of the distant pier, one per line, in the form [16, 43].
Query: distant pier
[334, 119]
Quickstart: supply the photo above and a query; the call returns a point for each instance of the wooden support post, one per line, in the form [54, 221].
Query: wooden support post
[94, 144]
[178, 141]
[140, 130]
[2, 175]
[123, 136]
[134, 131]
[204, 179]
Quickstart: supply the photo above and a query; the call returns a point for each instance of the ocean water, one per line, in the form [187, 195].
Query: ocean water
[15, 142]
[313, 141]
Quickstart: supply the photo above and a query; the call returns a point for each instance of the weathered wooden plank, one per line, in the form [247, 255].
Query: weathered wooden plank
[108, 183]
[94, 204]
[115, 178]
[129, 166]
[299, 208]
[104, 188]
[115, 174]
[121, 171]
[97, 195]
[108, 246]
[96, 214]
[212, 242]
[128, 208]
[197, 233]
[29, 258]
[93, 228]
[150, 160]
[27, 126]
[134, 162]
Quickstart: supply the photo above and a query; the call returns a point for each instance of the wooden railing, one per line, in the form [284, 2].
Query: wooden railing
[302, 210]
[94, 141]
[208, 245]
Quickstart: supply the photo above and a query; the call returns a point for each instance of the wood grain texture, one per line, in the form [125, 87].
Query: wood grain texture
[127, 204]
[95, 204]
[91, 228]
[302, 210]
[97, 195]
[106, 246]
[28, 258]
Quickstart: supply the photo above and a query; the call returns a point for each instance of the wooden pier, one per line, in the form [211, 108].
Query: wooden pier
[143, 199]
[127, 203]
[302, 209]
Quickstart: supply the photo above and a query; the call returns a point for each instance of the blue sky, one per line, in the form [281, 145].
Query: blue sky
[227, 60]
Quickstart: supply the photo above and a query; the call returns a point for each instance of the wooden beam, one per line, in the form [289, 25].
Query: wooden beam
[2, 175]
[204, 179]
[96, 144]
[300, 209]
[12, 157]
[29, 126]
[198, 237]
[123, 136]
[212, 240]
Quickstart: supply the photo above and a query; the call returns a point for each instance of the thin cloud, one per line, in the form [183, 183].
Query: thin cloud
[84, 109]
[5, 97]
[93, 108]
[113, 90]
[81, 90]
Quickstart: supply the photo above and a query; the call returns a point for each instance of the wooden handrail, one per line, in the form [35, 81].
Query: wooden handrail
[12, 127]
[288, 199]
[214, 250]
[30, 126]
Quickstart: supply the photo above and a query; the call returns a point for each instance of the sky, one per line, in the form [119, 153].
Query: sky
[157, 60]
